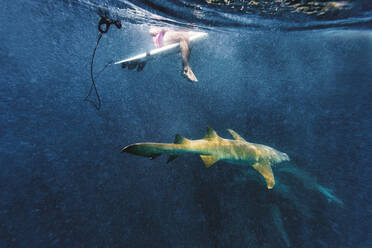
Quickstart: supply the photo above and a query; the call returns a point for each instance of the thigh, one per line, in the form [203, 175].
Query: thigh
[173, 37]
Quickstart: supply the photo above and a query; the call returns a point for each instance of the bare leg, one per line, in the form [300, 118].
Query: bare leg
[185, 52]
[172, 37]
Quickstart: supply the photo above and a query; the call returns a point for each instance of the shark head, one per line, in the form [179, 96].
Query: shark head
[284, 157]
[279, 157]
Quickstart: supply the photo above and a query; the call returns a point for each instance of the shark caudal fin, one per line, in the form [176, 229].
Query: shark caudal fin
[143, 149]
[178, 139]
[264, 168]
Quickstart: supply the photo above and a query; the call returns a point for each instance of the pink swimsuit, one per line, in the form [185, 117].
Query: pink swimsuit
[158, 39]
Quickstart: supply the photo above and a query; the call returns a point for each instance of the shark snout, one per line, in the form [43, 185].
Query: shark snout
[285, 157]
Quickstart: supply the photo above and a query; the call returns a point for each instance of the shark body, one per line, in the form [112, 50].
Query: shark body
[213, 148]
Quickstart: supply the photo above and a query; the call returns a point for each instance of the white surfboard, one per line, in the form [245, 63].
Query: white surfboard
[142, 58]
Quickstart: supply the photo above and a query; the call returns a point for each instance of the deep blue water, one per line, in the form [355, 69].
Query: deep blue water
[64, 182]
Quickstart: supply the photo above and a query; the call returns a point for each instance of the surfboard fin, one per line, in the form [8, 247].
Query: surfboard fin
[131, 66]
[208, 160]
[141, 66]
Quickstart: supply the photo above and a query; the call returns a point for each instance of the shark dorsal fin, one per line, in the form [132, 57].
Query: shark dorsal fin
[264, 168]
[211, 134]
[180, 139]
[235, 135]
[208, 160]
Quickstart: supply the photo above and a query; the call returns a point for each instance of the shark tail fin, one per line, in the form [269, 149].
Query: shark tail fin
[265, 170]
[143, 149]
[208, 160]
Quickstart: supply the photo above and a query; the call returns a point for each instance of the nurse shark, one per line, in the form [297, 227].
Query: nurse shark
[213, 148]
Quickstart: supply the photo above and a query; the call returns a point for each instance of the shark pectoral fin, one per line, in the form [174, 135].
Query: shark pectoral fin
[171, 158]
[235, 135]
[208, 160]
[265, 170]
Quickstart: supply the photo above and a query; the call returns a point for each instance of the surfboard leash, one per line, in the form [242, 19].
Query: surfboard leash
[106, 22]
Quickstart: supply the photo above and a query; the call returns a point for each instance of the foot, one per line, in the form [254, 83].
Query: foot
[187, 72]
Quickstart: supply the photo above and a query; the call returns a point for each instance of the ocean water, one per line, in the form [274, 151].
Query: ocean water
[297, 78]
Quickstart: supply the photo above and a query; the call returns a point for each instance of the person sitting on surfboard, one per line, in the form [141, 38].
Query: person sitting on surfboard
[164, 36]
